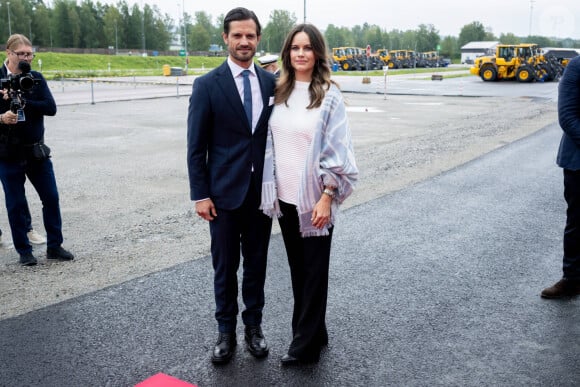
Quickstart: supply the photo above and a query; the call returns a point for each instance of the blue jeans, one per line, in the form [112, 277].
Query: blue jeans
[572, 231]
[28, 220]
[13, 175]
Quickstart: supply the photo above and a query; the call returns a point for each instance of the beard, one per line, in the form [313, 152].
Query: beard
[243, 55]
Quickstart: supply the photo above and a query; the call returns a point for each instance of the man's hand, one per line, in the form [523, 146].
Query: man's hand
[205, 209]
[9, 118]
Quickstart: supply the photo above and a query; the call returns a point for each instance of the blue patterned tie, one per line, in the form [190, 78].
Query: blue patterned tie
[247, 95]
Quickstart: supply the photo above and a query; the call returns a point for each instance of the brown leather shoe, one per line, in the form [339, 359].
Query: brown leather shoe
[562, 288]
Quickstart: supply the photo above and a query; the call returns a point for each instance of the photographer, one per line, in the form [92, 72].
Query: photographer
[26, 99]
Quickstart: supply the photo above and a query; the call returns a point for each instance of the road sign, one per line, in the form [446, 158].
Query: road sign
[181, 52]
[368, 50]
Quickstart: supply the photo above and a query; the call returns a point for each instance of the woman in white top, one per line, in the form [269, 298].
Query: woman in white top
[309, 171]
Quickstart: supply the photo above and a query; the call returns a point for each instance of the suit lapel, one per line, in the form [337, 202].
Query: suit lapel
[266, 91]
[225, 80]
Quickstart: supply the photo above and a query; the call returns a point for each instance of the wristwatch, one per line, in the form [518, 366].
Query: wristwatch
[329, 192]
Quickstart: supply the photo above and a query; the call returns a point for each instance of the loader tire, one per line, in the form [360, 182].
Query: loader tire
[488, 73]
[524, 75]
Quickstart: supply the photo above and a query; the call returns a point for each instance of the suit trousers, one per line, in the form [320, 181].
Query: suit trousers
[248, 227]
[13, 175]
[571, 265]
[309, 260]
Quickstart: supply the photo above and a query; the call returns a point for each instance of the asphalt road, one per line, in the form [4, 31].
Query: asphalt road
[435, 284]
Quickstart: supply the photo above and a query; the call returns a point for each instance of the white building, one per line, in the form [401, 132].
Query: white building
[474, 49]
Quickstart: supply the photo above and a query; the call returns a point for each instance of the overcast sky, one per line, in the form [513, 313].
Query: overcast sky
[552, 18]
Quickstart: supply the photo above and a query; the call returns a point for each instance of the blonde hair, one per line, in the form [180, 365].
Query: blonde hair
[16, 40]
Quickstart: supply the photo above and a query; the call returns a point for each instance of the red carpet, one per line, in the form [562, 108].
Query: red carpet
[162, 380]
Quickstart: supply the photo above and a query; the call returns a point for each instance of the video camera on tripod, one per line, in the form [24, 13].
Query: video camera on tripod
[15, 85]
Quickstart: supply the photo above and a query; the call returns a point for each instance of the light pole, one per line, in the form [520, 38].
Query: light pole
[30, 25]
[184, 27]
[531, 12]
[304, 11]
[143, 29]
[116, 41]
[9, 23]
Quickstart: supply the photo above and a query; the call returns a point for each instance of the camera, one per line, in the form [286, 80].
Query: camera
[15, 84]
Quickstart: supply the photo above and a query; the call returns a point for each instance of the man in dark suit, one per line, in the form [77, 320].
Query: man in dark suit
[569, 160]
[227, 126]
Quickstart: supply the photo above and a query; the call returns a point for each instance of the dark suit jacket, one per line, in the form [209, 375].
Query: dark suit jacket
[221, 149]
[569, 116]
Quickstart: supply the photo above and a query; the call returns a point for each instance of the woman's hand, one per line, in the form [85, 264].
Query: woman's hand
[321, 212]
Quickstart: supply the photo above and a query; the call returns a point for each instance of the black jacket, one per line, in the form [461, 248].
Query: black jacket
[38, 102]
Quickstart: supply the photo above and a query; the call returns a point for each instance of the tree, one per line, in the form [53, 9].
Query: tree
[395, 40]
[409, 40]
[91, 25]
[66, 26]
[113, 28]
[75, 26]
[337, 37]
[541, 41]
[157, 35]
[358, 38]
[374, 36]
[509, 38]
[19, 18]
[449, 48]
[219, 24]
[205, 21]
[279, 25]
[134, 32]
[568, 43]
[473, 32]
[489, 35]
[199, 39]
[427, 38]
[163, 28]
[41, 33]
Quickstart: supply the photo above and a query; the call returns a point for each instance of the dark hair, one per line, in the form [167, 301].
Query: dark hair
[320, 75]
[238, 14]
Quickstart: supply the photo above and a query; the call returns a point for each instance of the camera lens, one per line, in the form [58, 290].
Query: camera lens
[26, 83]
